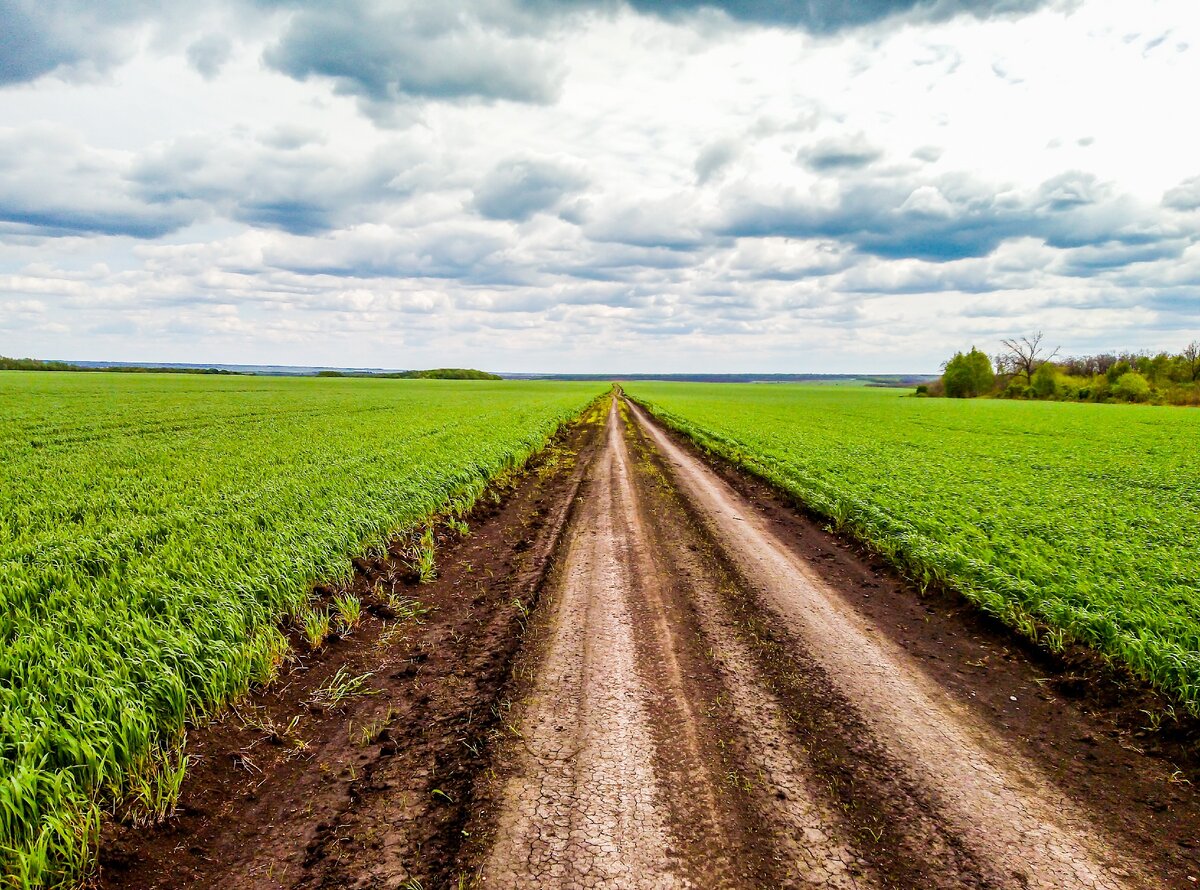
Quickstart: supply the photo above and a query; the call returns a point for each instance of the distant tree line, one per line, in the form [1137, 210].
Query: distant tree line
[1028, 369]
[431, 374]
[34, 364]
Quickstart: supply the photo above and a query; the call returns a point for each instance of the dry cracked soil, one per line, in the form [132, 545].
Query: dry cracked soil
[642, 669]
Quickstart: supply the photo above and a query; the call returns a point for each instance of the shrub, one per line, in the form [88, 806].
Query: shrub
[1131, 387]
[968, 375]
[1045, 381]
[1188, 394]
[1115, 371]
[1017, 390]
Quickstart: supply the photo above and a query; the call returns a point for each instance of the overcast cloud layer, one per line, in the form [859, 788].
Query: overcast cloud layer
[525, 185]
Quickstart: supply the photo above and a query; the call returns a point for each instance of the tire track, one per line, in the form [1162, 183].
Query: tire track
[582, 809]
[787, 802]
[686, 622]
[619, 781]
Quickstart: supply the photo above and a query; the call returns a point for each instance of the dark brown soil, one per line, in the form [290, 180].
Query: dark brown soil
[374, 792]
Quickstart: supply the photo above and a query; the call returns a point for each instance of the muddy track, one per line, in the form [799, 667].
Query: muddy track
[645, 670]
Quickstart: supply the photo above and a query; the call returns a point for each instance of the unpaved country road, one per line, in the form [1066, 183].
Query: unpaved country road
[708, 711]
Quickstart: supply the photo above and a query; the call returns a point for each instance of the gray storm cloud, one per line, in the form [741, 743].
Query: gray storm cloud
[517, 189]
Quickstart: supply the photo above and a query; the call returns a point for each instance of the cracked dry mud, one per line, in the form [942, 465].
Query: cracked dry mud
[706, 710]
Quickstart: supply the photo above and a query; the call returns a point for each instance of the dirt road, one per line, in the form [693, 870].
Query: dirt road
[642, 669]
[711, 711]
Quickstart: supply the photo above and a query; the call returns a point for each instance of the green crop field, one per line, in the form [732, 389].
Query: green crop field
[155, 529]
[1069, 522]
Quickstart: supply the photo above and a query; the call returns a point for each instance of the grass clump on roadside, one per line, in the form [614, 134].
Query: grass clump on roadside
[1071, 523]
[155, 529]
[341, 686]
[349, 612]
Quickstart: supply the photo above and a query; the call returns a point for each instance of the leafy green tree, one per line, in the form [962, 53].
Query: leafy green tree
[1118, 370]
[1045, 381]
[1132, 387]
[968, 375]
[1191, 359]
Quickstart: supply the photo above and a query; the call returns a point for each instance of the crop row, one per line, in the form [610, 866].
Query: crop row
[154, 530]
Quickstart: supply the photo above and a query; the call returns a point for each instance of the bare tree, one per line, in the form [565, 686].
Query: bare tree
[1191, 354]
[1024, 355]
[1089, 365]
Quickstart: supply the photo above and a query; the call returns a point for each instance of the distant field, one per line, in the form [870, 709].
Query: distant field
[153, 531]
[1084, 519]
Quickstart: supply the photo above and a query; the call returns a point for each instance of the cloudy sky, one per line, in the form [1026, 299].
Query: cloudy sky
[592, 185]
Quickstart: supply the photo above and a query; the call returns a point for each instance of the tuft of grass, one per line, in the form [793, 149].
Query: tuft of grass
[260, 720]
[342, 685]
[370, 732]
[424, 557]
[316, 623]
[154, 790]
[407, 608]
[349, 612]
[268, 658]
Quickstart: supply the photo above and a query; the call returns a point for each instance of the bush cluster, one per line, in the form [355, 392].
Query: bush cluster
[1140, 378]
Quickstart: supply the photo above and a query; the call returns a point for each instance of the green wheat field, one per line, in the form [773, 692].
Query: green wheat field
[154, 531]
